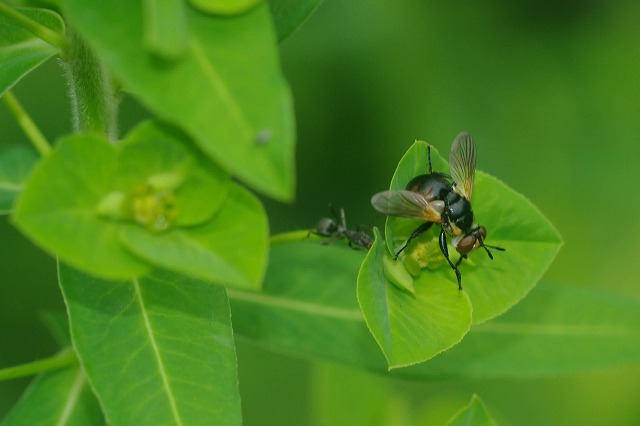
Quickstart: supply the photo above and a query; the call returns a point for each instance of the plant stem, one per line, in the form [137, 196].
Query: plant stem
[292, 236]
[35, 28]
[61, 359]
[93, 101]
[26, 123]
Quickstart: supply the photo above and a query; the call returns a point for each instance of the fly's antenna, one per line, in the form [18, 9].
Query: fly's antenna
[487, 247]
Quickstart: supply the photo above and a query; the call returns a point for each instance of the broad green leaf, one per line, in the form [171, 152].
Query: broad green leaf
[16, 162]
[230, 249]
[60, 397]
[165, 29]
[224, 7]
[227, 91]
[308, 308]
[475, 413]
[512, 222]
[410, 327]
[289, 15]
[157, 350]
[78, 199]
[57, 208]
[20, 51]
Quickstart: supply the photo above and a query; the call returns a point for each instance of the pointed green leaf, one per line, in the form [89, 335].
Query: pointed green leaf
[289, 15]
[230, 249]
[475, 413]
[512, 222]
[16, 162]
[20, 51]
[227, 91]
[60, 397]
[157, 350]
[79, 198]
[224, 7]
[410, 327]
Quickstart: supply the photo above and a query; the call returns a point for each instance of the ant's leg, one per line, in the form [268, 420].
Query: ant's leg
[445, 252]
[419, 230]
[429, 157]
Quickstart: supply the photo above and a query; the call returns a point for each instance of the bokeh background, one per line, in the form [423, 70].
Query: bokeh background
[551, 92]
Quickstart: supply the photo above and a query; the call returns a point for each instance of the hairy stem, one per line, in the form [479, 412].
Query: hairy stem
[26, 123]
[61, 359]
[93, 100]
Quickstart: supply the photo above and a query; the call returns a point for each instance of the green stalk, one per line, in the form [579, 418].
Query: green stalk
[26, 123]
[94, 104]
[35, 28]
[292, 236]
[61, 359]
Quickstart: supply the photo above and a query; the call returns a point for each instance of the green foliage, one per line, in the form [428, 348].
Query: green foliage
[20, 50]
[241, 118]
[410, 327]
[444, 315]
[475, 413]
[156, 349]
[288, 15]
[16, 162]
[299, 311]
[61, 397]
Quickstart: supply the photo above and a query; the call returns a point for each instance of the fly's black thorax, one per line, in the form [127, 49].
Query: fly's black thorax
[457, 217]
[434, 186]
[457, 213]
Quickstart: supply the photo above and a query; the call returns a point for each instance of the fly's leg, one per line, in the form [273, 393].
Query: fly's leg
[419, 230]
[445, 252]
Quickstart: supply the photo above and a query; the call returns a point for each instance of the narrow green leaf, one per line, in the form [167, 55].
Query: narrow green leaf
[410, 327]
[157, 350]
[61, 397]
[78, 199]
[16, 162]
[227, 92]
[230, 249]
[166, 30]
[308, 308]
[21, 51]
[512, 222]
[224, 7]
[475, 413]
[289, 15]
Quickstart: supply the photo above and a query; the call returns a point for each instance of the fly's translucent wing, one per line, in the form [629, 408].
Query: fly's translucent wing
[462, 161]
[409, 204]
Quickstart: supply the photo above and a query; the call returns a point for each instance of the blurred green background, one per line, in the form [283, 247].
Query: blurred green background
[550, 91]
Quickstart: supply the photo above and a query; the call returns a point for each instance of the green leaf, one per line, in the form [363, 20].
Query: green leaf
[512, 222]
[224, 7]
[475, 413]
[16, 162]
[227, 92]
[78, 199]
[308, 308]
[20, 51]
[231, 249]
[289, 15]
[410, 327]
[165, 29]
[157, 350]
[61, 397]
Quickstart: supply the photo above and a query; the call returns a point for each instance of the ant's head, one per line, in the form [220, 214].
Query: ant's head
[326, 227]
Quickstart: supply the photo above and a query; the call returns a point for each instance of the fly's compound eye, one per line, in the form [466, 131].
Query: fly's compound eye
[483, 234]
[466, 244]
